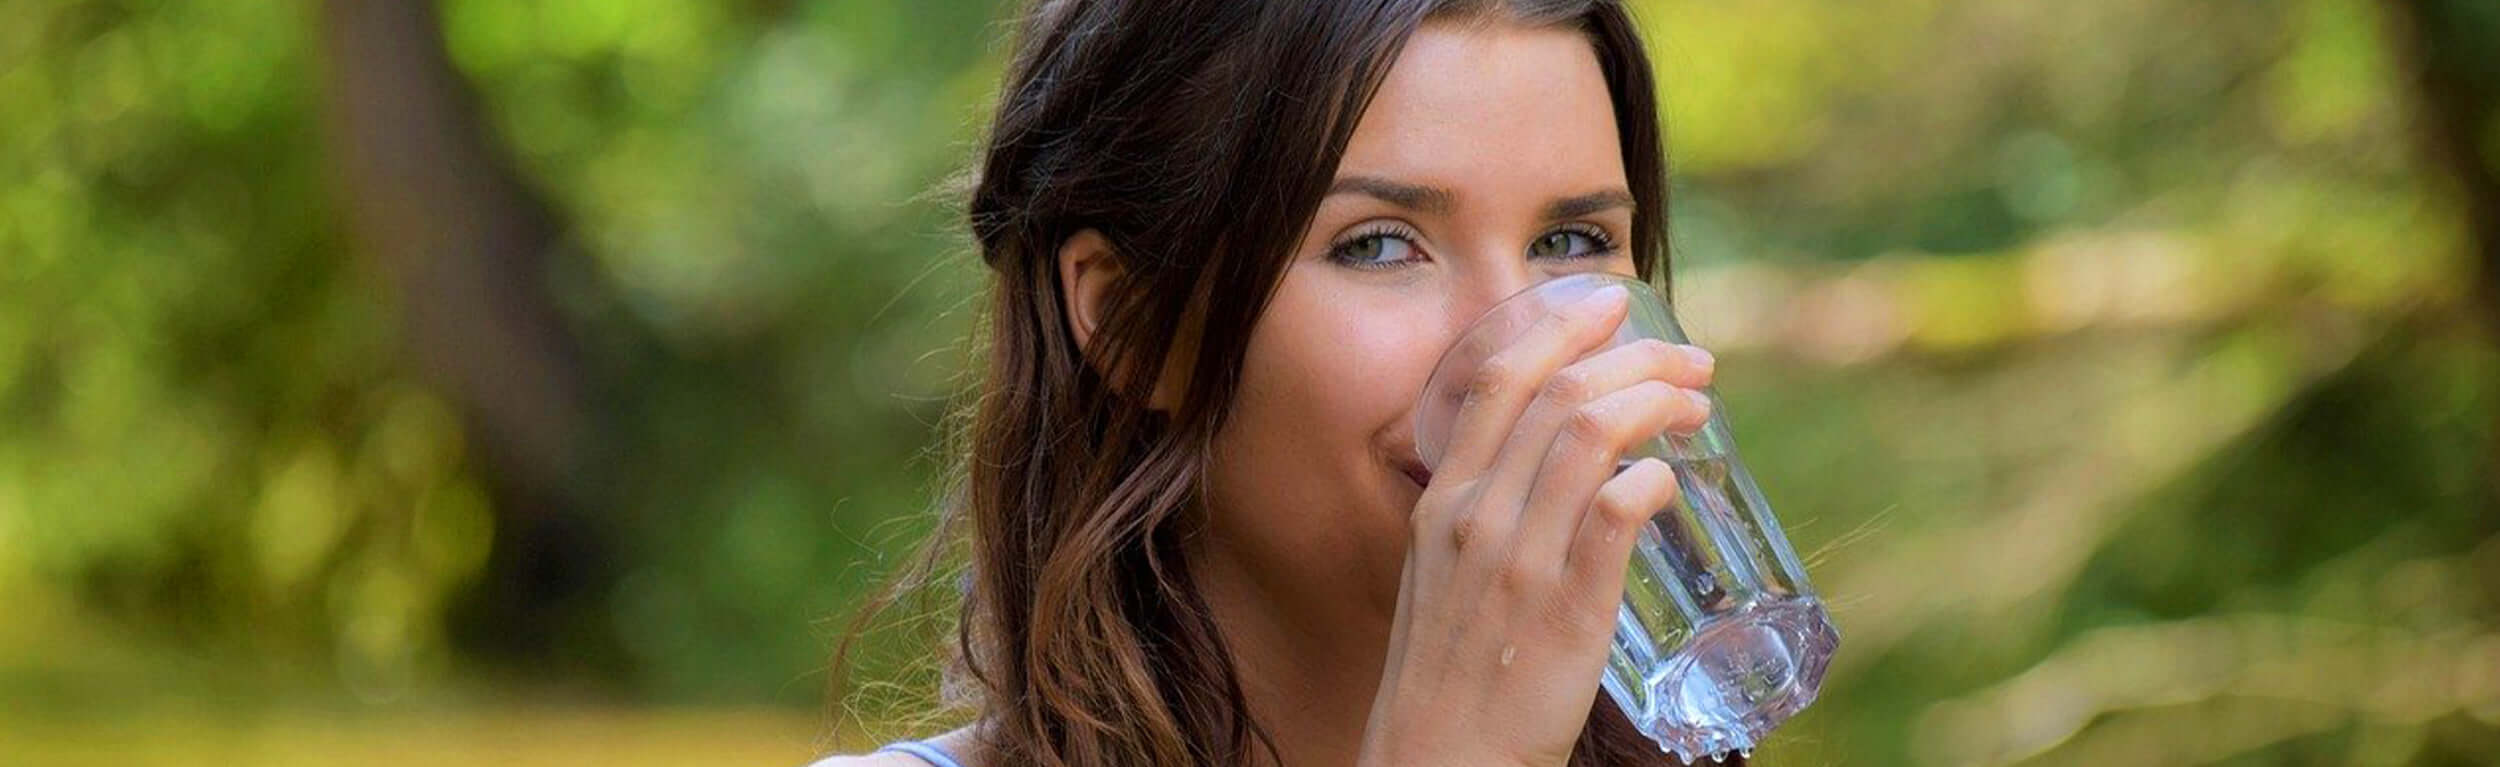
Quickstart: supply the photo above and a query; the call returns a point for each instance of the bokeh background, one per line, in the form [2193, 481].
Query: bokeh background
[541, 381]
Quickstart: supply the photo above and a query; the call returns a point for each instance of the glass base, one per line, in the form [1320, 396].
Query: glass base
[1740, 676]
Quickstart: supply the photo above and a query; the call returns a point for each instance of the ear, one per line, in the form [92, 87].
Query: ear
[1088, 273]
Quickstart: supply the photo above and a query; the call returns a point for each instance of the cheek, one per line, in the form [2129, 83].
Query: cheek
[1299, 472]
[1343, 365]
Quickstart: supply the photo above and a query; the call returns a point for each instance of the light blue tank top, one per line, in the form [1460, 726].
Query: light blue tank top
[927, 751]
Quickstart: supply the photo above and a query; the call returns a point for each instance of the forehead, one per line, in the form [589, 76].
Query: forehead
[1484, 108]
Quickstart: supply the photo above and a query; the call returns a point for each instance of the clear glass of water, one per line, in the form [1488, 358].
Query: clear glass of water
[1719, 638]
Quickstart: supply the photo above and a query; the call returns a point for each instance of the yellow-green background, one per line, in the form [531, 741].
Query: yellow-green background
[2120, 364]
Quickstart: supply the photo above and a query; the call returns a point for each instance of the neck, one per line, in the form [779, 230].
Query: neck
[1309, 672]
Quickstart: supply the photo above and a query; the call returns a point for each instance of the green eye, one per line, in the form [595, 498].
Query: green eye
[1374, 250]
[1367, 250]
[1570, 243]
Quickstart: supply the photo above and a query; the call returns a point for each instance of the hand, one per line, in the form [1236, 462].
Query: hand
[1521, 540]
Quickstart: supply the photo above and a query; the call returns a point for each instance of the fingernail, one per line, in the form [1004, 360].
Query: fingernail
[1700, 401]
[1701, 357]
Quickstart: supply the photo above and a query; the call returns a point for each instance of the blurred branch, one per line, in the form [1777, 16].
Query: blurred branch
[2138, 435]
[1863, 313]
[466, 243]
[2309, 673]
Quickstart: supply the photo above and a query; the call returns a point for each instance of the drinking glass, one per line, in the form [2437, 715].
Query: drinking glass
[1719, 637]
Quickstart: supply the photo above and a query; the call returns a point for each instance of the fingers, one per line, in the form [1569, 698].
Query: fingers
[1602, 546]
[1569, 393]
[1588, 449]
[1534, 447]
[1504, 384]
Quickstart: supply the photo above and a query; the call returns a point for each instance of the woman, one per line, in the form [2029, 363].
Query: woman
[1230, 239]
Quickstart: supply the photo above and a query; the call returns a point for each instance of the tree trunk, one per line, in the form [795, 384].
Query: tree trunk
[436, 204]
[2445, 49]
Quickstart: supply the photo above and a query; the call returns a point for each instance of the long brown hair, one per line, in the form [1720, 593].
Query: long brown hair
[1198, 138]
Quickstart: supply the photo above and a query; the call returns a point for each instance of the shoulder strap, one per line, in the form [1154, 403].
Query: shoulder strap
[928, 752]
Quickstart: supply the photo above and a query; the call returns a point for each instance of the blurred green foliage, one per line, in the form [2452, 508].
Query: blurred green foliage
[2115, 361]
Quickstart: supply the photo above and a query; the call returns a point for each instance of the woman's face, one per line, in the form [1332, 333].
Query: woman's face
[1487, 162]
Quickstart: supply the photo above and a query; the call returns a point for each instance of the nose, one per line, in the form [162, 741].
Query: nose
[1468, 294]
[1473, 292]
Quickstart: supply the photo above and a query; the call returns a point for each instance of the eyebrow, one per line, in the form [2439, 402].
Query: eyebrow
[1437, 200]
[1575, 207]
[1424, 199]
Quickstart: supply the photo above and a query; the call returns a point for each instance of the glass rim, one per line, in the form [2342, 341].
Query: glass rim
[1440, 364]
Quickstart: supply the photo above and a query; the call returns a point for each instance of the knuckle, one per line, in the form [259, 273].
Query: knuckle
[1589, 425]
[1463, 532]
[1571, 386]
[1492, 379]
[1475, 535]
[1519, 576]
